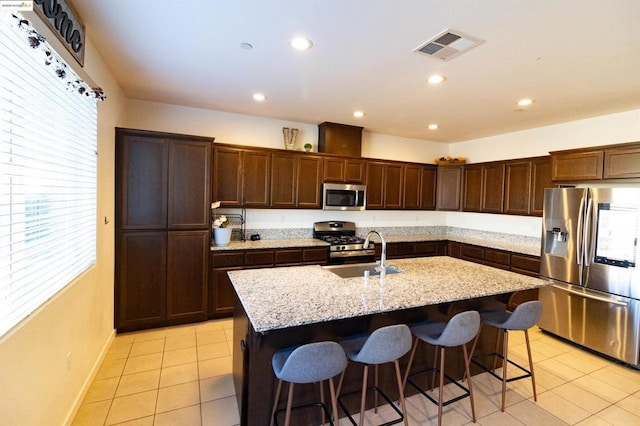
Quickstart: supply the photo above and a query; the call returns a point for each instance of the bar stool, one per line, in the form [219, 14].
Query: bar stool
[310, 363]
[523, 317]
[460, 330]
[386, 344]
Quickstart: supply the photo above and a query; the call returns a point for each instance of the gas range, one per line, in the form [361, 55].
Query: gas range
[345, 246]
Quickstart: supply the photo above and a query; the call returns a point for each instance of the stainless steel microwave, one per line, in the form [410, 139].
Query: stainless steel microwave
[344, 196]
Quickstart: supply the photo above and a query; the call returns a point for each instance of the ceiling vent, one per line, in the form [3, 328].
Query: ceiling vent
[448, 44]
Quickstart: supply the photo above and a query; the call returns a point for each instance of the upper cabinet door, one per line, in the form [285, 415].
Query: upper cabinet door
[449, 193]
[393, 183]
[577, 166]
[412, 181]
[227, 172]
[472, 194]
[375, 185]
[256, 178]
[141, 181]
[354, 170]
[428, 188]
[308, 179]
[540, 180]
[283, 180]
[492, 188]
[189, 203]
[622, 162]
[334, 170]
[517, 187]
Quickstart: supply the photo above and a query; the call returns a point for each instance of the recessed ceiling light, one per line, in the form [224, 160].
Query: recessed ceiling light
[301, 43]
[436, 79]
[525, 102]
[433, 126]
[247, 46]
[358, 114]
[259, 97]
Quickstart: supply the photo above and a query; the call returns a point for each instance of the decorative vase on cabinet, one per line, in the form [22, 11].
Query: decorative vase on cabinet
[222, 236]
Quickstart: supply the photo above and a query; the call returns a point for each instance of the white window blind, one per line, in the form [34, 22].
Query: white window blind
[48, 180]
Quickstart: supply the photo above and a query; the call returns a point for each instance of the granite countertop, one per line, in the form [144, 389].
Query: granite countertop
[271, 244]
[276, 298]
[533, 250]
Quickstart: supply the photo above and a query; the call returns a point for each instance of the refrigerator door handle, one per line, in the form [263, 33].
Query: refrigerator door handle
[592, 296]
[579, 231]
[589, 234]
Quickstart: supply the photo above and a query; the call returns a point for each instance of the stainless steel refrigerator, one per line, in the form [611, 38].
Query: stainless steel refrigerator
[589, 253]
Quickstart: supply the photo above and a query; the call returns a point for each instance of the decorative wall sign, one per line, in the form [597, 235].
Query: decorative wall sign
[65, 23]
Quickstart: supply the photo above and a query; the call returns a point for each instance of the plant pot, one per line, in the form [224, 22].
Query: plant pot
[222, 236]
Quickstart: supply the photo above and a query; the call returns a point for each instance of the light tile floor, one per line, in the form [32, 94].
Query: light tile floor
[182, 376]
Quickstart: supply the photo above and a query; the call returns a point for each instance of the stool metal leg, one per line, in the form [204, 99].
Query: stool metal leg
[413, 352]
[533, 380]
[275, 402]
[401, 392]
[505, 347]
[441, 390]
[375, 396]
[287, 416]
[322, 398]
[363, 400]
[468, 374]
[334, 402]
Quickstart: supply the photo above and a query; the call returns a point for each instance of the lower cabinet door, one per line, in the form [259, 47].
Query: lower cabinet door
[141, 259]
[221, 294]
[187, 275]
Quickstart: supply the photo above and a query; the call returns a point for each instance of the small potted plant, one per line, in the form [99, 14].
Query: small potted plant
[221, 232]
[307, 147]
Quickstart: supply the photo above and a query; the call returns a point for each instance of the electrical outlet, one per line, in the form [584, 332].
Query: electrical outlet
[69, 361]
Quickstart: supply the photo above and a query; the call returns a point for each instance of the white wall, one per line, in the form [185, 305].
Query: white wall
[604, 130]
[35, 386]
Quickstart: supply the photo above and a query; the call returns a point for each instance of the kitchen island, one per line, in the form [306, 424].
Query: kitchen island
[280, 307]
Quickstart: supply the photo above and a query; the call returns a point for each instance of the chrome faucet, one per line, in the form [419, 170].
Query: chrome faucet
[383, 256]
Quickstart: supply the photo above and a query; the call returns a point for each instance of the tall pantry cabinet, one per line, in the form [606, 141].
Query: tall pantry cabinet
[163, 225]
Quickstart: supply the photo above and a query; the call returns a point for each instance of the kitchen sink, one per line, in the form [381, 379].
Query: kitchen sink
[358, 269]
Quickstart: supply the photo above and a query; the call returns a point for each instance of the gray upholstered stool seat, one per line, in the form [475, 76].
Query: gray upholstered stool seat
[386, 344]
[523, 317]
[310, 363]
[460, 330]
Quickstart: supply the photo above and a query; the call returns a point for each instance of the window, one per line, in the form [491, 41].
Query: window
[47, 179]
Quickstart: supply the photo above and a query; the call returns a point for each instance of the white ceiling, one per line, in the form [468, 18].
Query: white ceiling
[576, 58]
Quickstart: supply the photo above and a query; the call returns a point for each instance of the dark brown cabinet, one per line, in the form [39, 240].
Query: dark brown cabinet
[227, 180]
[492, 188]
[162, 227]
[189, 179]
[256, 168]
[472, 192]
[540, 180]
[221, 291]
[412, 186]
[375, 185]
[449, 184]
[344, 170]
[393, 186]
[577, 166]
[309, 171]
[141, 181]
[517, 187]
[283, 180]
[428, 188]
[187, 275]
[622, 162]
[141, 277]
[295, 181]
